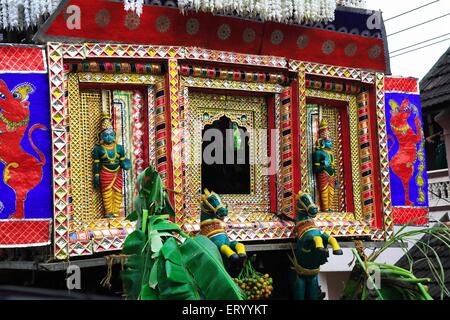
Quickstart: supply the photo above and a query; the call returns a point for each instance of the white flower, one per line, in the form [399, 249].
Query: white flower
[138, 6]
[353, 3]
[35, 9]
[4, 10]
[134, 6]
[27, 13]
[13, 14]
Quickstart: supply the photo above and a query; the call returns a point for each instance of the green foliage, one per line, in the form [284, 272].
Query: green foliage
[202, 258]
[398, 283]
[172, 278]
[159, 265]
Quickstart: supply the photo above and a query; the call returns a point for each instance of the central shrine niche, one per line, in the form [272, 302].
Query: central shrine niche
[225, 157]
[241, 184]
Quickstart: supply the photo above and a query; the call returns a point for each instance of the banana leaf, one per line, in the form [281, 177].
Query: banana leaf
[132, 276]
[174, 281]
[160, 268]
[152, 192]
[204, 262]
[134, 243]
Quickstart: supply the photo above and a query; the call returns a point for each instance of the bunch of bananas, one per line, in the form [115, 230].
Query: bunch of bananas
[255, 285]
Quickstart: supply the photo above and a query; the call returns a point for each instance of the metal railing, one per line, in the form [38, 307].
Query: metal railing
[439, 188]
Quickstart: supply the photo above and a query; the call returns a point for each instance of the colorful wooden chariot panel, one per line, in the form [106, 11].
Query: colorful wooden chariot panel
[300, 126]
[406, 151]
[256, 127]
[255, 189]
[26, 204]
[110, 121]
[343, 155]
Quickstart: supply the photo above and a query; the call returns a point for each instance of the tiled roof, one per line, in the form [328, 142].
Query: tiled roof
[420, 266]
[435, 86]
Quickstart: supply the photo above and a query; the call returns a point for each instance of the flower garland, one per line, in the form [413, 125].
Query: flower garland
[352, 3]
[35, 9]
[23, 14]
[3, 13]
[285, 11]
[134, 6]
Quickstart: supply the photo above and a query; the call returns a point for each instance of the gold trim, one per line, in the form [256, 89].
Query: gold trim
[215, 233]
[110, 170]
[231, 85]
[210, 221]
[129, 78]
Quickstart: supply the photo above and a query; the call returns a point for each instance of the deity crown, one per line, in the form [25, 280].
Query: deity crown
[324, 132]
[106, 123]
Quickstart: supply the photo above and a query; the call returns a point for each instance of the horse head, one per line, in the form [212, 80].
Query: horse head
[305, 205]
[212, 205]
[14, 104]
[400, 114]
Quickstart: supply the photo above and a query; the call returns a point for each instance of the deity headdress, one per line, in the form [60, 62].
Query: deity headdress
[106, 124]
[324, 132]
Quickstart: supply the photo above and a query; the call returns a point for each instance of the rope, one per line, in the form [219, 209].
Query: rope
[106, 282]
[359, 246]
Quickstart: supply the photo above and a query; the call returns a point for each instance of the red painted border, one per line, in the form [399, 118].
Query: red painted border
[16, 58]
[168, 27]
[169, 137]
[401, 84]
[145, 129]
[404, 216]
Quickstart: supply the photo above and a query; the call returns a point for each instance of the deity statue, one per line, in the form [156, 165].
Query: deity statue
[109, 161]
[324, 167]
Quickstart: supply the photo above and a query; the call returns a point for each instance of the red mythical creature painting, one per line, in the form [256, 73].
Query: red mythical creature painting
[402, 163]
[22, 172]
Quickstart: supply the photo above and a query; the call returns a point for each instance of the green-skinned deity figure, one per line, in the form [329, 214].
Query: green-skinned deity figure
[324, 167]
[109, 163]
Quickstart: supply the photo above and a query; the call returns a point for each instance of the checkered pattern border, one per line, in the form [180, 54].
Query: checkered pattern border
[409, 85]
[22, 59]
[403, 216]
[25, 233]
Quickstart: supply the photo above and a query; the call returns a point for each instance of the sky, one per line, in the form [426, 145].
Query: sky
[418, 63]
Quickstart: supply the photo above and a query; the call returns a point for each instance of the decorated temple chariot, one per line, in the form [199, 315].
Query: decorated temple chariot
[266, 126]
